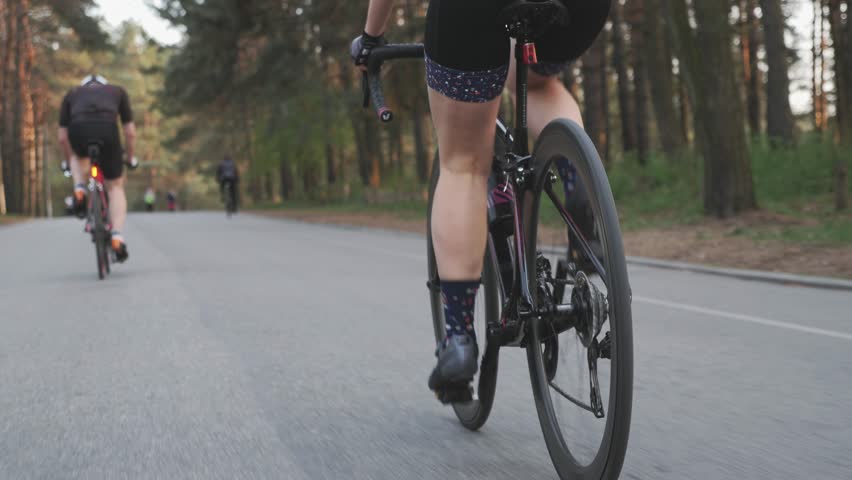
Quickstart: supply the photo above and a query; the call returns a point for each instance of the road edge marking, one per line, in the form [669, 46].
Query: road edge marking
[744, 318]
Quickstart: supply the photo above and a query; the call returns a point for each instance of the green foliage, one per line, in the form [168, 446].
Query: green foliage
[787, 179]
[664, 191]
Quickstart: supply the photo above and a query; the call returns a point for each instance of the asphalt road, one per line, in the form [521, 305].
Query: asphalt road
[259, 348]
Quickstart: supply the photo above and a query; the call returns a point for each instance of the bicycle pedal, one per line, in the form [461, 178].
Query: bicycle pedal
[454, 393]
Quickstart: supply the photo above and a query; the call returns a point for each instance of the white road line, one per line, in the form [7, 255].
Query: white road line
[744, 318]
[653, 301]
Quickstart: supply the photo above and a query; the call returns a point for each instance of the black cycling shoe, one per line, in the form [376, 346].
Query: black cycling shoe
[457, 364]
[80, 206]
[120, 249]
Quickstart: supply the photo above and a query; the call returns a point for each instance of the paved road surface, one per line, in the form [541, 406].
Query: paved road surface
[257, 348]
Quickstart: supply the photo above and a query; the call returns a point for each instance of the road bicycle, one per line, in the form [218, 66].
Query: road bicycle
[98, 222]
[230, 198]
[582, 380]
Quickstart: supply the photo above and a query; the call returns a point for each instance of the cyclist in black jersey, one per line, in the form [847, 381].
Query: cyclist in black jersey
[227, 173]
[88, 114]
[468, 63]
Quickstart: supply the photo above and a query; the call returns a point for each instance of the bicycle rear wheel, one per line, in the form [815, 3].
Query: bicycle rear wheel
[99, 235]
[473, 414]
[582, 379]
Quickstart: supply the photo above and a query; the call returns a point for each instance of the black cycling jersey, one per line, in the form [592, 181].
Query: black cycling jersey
[89, 113]
[95, 103]
[227, 171]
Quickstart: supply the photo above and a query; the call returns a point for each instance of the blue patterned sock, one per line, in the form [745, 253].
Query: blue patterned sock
[459, 299]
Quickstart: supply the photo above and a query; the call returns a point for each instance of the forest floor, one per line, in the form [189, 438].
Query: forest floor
[10, 219]
[760, 240]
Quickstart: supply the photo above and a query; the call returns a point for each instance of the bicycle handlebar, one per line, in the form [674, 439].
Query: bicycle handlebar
[372, 80]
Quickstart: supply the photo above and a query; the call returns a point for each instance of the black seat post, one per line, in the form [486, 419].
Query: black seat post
[524, 19]
[524, 55]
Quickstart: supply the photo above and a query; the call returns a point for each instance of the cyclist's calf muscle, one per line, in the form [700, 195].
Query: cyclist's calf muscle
[466, 142]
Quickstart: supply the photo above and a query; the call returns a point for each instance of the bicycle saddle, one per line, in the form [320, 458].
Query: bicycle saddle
[533, 15]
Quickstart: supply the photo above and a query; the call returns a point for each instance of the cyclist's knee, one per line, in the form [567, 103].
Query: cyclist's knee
[467, 162]
[114, 183]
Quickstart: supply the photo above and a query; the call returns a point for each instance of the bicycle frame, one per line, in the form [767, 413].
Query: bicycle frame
[519, 300]
[96, 187]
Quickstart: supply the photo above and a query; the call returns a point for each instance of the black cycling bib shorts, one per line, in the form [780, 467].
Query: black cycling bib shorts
[468, 50]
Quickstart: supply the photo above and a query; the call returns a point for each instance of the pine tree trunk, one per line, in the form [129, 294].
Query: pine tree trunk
[640, 87]
[683, 104]
[779, 117]
[420, 154]
[570, 81]
[38, 171]
[330, 167]
[728, 186]
[3, 64]
[816, 62]
[749, 45]
[286, 178]
[9, 95]
[619, 62]
[374, 149]
[841, 39]
[658, 60]
[594, 95]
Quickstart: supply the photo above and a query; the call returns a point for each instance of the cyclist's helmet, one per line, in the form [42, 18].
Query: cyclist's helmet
[93, 78]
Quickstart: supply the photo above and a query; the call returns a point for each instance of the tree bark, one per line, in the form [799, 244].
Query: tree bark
[286, 177]
[779, 117]
[374, 149]
[619, 62]
[658, 59]
[749, 45]
[841, 39]
[595, 97]
[640, 87]
[420, 154]
[817, 67]
[9, 95]
[708, 69]
[3, 64]
[570, 81]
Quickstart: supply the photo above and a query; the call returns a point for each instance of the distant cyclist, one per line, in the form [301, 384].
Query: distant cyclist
[228, 174]
[171, 201]
[88, 114]
[150, 199]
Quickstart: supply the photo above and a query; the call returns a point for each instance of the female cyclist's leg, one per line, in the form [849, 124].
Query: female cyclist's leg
[80, 169]
[466, 146]
[117, 202]
[467, 51]
[547, 99]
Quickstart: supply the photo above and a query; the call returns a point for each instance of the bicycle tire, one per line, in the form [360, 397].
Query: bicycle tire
[564, 138]
[473, 414]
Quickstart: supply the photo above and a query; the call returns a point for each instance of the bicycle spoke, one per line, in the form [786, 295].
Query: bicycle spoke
[584, 245]
[570, 398]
